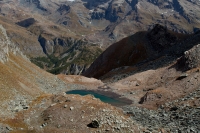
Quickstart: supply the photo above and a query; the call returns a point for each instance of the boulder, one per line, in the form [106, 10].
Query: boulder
[94, 124]
[190, 59]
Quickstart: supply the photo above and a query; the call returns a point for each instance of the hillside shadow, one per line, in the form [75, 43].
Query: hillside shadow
[164, 58]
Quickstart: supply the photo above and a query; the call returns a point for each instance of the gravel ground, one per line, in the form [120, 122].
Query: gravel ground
[182, 115]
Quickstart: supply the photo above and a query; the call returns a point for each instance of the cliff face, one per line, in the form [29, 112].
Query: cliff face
[4, 42]
[6, 46]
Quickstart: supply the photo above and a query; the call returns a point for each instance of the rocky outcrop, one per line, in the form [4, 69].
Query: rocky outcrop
[6, 46]
[4, 42]
[95, 3]
[111, 14]
[63, 9]
[94, 124]
[97, 15]
[37, 3]
[160, 38]
[47, 45]
[51, 45]
[149, 96]
[190, 59]
[27, 22]
[76, 69]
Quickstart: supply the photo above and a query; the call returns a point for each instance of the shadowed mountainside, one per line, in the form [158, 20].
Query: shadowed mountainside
[140, 47]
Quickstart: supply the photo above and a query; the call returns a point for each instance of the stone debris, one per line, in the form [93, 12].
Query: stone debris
[182, 76]
[19, 104]
[71, 108]
[176, 116]
[5, 128]
[94, 124]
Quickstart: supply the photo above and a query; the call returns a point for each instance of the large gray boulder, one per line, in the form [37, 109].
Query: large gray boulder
[190, 59]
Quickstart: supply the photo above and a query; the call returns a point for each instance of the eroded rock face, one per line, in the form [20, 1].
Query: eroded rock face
[150, 97]
[63, 9]
[27, 22]
[7, 46]
[76, 69]
[3, 45]
[160, 38]
[191, 58]
[94, 3]
[38, 3]
[47, 45]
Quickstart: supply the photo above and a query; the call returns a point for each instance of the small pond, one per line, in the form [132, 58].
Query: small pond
[107, 99]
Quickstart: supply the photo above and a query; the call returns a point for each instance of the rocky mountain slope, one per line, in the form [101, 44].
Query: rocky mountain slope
[164, 91]
[31, 99]
[164, 87]
[164, 94]
[126, 17]
[54, 29]
[158, 73]
[141, 47]
[49, 45]
[21, 80]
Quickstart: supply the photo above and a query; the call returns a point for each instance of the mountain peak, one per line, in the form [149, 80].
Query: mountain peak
[160, 38]
[158, 28]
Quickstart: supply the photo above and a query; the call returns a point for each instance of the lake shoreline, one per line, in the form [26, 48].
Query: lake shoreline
[123, 101]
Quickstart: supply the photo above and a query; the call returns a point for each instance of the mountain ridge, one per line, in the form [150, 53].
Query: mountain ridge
[140, 47]
[100, 23]
[162, 86]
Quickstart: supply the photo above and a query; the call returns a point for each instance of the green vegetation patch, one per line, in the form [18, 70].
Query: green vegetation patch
[82, 55]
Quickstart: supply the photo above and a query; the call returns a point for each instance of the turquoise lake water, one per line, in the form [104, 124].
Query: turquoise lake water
[103, 98]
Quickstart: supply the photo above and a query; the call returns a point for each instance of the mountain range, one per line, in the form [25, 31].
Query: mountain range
[144, 54]
[52, 32]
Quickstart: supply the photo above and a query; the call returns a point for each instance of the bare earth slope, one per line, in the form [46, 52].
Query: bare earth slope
[20, 79]
[164, 87]
[33, 100]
